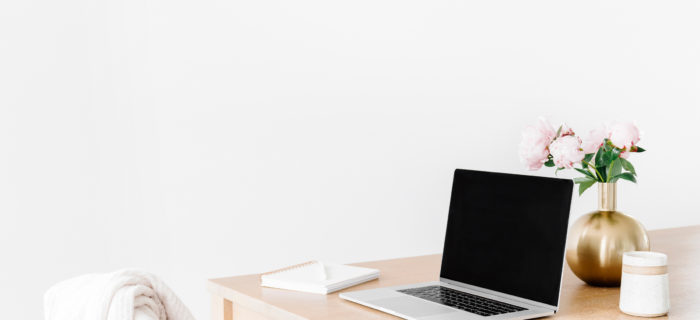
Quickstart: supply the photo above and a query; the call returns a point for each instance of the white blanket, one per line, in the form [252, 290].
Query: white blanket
[121, 295]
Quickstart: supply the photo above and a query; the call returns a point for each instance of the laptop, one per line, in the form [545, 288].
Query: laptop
[503, 256]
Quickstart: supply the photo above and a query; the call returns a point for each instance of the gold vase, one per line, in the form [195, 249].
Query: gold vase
[597, 240]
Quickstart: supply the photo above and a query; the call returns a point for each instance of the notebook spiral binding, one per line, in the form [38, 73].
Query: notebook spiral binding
[296, 266]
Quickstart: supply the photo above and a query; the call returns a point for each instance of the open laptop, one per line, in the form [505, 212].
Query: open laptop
[503, 256]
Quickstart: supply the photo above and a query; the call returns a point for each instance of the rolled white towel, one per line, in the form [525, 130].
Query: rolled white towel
[121, 295]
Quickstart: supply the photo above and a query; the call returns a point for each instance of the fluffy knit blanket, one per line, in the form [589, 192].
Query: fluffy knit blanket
[120, 295]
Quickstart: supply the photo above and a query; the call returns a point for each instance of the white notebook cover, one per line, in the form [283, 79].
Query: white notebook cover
[318, 277]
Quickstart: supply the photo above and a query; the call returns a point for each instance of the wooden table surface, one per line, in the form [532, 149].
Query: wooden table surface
[243, 298]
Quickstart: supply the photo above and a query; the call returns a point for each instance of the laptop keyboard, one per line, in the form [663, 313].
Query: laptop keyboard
[462, 300]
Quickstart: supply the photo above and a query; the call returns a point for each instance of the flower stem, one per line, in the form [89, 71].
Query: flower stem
[600, 176]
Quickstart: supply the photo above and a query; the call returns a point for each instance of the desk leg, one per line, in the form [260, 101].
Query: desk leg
[221, 309]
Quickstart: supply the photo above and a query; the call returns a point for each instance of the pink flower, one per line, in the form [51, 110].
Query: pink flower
[566, 151]
[594, 140]
[566, 131]
[533, 147]
[624, 135]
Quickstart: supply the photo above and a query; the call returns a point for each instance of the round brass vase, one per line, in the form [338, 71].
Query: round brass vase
[597, 240]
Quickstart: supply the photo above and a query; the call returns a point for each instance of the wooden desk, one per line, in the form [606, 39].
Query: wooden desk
[243, 298]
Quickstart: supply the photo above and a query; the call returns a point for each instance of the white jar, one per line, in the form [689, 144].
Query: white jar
[644, 286]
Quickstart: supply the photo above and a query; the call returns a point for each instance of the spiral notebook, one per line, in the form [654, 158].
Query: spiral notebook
[318, 277]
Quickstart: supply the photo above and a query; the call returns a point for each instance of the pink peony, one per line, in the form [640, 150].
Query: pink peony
[624, 135]
[566, 151]
[594, 140]
[533, 147]
[566, 131]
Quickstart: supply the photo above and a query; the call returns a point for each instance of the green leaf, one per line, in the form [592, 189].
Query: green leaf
[614, 169]
[585, 185]
[615, 153]
[602, 172]
[628, 166]
[607, 158]
[549, 163]
[585, 172]
[601, 162]
[588, 157]
[607, 145]
[583, 179]
[626, 176]
[599, 157]
[640, 149]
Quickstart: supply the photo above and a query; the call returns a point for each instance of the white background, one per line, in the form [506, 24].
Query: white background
[200, 139]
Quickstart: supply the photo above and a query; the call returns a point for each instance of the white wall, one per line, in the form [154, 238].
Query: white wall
[200, 139]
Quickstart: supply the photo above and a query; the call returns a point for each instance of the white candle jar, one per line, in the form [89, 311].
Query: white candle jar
[644, 284]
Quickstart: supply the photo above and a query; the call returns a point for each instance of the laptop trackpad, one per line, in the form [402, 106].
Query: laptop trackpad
[410, 307]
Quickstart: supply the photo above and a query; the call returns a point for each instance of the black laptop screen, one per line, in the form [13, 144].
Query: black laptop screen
[507, 233]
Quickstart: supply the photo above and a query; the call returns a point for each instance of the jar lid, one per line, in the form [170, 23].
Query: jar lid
[644, 259]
